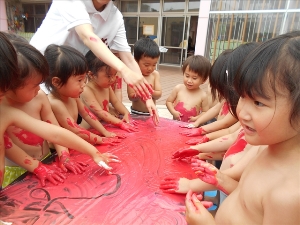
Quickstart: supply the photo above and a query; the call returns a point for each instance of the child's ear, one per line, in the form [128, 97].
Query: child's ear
[56, 81]
[90, 74]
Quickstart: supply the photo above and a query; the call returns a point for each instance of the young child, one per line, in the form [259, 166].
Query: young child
[187, 99]
[146, 54]
[10, 116]
[98, 94]
[268, 191]
[66, 82]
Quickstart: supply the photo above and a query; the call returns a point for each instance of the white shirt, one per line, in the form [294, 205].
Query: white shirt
[64, 16]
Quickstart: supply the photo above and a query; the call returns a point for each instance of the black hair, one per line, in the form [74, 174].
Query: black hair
[30, 60]
[145, 47]
[218, 76]
[275, 63]
[198, 64]
[95, 64]
[15, 37]
[234, 61]
[64, 61]
[9, 72]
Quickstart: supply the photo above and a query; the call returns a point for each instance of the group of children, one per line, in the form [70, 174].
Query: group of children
[252, 98]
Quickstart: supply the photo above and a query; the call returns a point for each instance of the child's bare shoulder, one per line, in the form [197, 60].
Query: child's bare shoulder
[155, 74]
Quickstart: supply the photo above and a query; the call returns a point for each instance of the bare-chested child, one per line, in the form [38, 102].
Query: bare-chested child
[268, 191]
[10, 116]
[146, 54]
[188, 99]
[98, 94]
[68, 68]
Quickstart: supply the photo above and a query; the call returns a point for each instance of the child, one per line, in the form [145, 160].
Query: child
[146, 54]
[268, 191]
[98, 94]
[10, 116]
[187, 99]
[67, 79]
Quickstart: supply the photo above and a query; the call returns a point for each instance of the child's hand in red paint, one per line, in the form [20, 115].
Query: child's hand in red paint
[104, 159]
[177, 116]
[46, 172]
[190, 126]
[175, 185]
[110, 141]
[196, 210]
[196, 141]
[67, 163]
[127, 119]
[205, 171]
[127, 127]
[185, 152]
[194, 132]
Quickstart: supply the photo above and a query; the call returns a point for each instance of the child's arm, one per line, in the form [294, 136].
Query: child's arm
[90, 100]
[119, 106]
[204, 104]
[170, 103]
[157, 86]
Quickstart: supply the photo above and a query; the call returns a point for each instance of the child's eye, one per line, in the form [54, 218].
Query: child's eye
[257, 103]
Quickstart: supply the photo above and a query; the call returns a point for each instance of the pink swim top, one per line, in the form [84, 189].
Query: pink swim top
[186, 114]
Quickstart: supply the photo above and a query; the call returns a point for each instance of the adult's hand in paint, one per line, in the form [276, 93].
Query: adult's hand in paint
[196, 211]
[46, 172]
[67, 163]
[196, 141]
[194, 132]
[185, 152]
[127, 127]
[110, 141]
[153, 111]
[104, 159]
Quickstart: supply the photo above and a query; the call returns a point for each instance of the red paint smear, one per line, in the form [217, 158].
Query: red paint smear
[225, 109]
[81, 130]
[29, 138]
[48, 121]
[93, 117]
[27, 161]
[238, 146]
[93, 39]
[105, 105]
[186, 114]
[7, 141]
[117, 84]
[136, 199]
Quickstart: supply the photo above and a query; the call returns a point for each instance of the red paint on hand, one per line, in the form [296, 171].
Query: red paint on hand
[127, 127]
[185, 152]
[66, 163]
[110, 141]
[196, 141]
[169, 184]
[194, 132]
[46, 172]
[185, 114]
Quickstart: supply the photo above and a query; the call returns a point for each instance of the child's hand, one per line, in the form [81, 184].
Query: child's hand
[190, 126]
[127, 119]
[185, 152]
[104, 159]
[175, 185]
[109, 134]
[196, 211]
[196, 141]
[127, 127]
[110, 141]
[152, 110]
[177, 115]
[193, 118]
[66, 163]
[46, 172]
[194, 132]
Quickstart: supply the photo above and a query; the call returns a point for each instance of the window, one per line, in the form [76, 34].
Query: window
[150, 5]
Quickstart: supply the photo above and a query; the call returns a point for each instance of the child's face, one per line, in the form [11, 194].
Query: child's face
[26, 92]
[266, 121]
[191, 79]
[74, 86]
[105, 78]
[147, 65]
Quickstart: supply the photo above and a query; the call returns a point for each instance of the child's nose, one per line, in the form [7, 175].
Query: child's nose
[243, 110]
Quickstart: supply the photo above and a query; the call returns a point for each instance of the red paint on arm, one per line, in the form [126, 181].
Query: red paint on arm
[81, 130]
[48, 121]
[186, 114]
[105, 105]
[7, 141]
[238, 146]
[93, 117]
[225, 109]
[27, 161]
[93, 39]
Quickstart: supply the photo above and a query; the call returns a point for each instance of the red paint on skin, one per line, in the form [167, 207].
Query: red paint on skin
[225, 109]
[7, 141]
[186, 114]
[81, 130]
[93, 117]
[119, 83]
[48, 121]
[238, 146]
[105, 105]
[29, 138]
[27, 161]
[93, 39]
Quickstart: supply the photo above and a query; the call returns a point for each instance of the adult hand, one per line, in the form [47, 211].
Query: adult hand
[153, 111]
[66, 163]
[110, 141]
[196, 141]
[194, 132]
[127, 127]
[46, 172]
[185, 152]
[196, 211]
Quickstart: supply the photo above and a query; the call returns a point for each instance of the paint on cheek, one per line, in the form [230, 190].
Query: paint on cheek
[105, 105]
[29, 138]
[93, 117]
[7, 142]
[238, 146]
[225, 109]
[27, 161]
[186, 114]
[93, 39]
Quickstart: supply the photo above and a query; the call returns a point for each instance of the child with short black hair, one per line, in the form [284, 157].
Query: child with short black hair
[146, 54]
[188, 99]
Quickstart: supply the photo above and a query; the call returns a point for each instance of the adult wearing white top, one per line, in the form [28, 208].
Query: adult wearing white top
[94, 25]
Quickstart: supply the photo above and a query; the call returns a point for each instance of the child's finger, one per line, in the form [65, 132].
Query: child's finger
[104, 165]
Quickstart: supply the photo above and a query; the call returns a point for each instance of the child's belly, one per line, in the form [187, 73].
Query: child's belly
[186, 113]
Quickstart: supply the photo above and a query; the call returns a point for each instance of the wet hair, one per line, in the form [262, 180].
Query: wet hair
[276, 65]
[30, 62]
[234, 61]
[15, 37]
[95, 64]
[64, 61]
[9, 72]
[218, 76]
[199, 65]
[145, 47]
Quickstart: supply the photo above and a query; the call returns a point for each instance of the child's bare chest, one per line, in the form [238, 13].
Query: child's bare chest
[102, 97]
[72, 108]
[190, 99]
